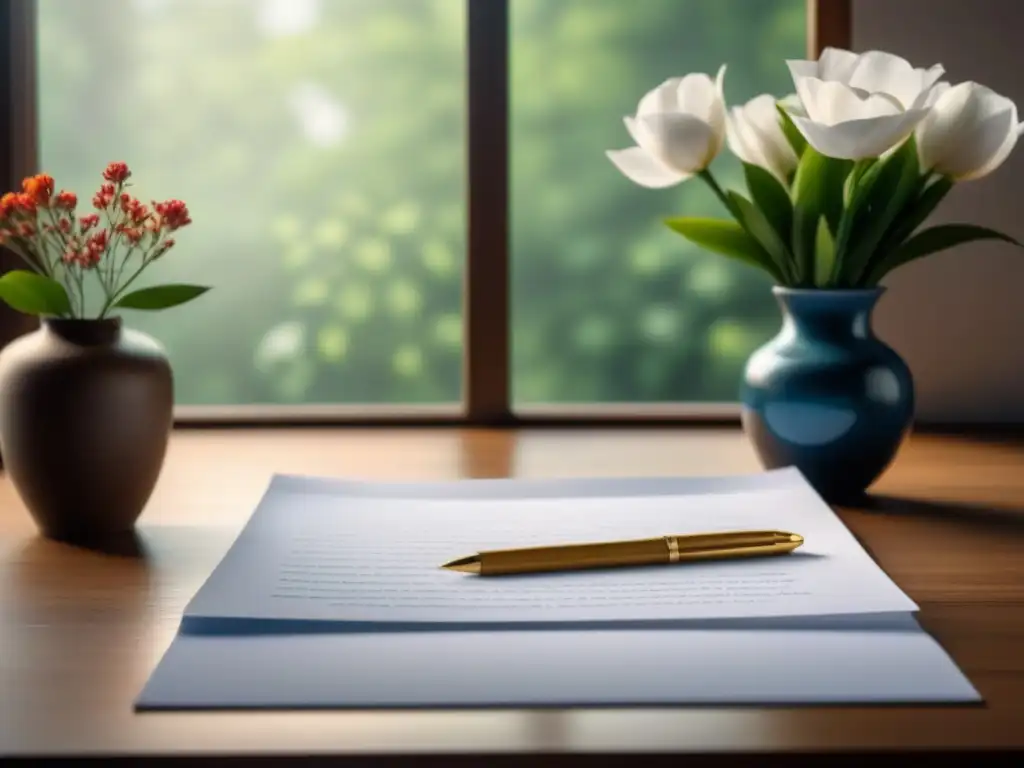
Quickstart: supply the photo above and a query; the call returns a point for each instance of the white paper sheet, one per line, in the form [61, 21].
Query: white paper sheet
[365, 553]
[332, 597]
[818, 661]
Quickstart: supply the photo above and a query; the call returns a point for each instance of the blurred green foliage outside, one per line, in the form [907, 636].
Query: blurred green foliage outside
[320, 145]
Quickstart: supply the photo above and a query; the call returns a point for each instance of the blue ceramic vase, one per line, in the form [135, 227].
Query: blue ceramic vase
[826, 395]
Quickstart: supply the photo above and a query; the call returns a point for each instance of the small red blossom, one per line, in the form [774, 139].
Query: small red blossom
[42, 225]
[163, 248]
[132, 234]
[102, 199]
[117, 173]
[8, 205]
[99, 240]
[66, 200]
[25, 204]
[88, 258]
[71, 250]
[173, 213]
[39, 189]
[134, 208]
[87, 255]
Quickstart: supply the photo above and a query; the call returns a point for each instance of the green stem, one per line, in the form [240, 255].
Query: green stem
[24, 253]
[108, 262]
[120, 291]
[719, 192]
[80, 280]
[124, 263]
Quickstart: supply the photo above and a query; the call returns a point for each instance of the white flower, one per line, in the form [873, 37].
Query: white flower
[856, 106]
[969, 132]
[679, 129]
[755, 136]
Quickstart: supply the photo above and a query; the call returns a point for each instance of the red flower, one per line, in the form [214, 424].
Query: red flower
[88, 221]
[66, 200]
[8, 204]
[25, 203]
[70, 255]
[26, 229]
[102, 199]
[173, 213]
[134, 208]
[85, 256]
[117, 173]
[39, 189]
[98, 242]
[132, 234]
[65, 225]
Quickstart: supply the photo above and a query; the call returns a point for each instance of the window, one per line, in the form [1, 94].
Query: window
[608, 305]
[320, 148]
[405, 202]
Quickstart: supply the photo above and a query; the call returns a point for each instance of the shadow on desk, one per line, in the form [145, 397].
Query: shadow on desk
[1003, 520]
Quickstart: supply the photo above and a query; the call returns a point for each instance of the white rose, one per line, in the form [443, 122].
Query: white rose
[857, 106]
[679, 128]
[969, 132]
[755, 136]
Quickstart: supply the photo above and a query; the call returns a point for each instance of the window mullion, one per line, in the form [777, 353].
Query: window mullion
[486, 352]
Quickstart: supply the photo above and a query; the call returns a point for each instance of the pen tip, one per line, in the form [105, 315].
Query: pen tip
[796, 538]
[469, 564]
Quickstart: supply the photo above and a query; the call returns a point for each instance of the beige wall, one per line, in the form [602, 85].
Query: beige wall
[958, 317]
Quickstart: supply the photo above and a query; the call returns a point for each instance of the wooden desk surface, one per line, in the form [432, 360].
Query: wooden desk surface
[80, 631]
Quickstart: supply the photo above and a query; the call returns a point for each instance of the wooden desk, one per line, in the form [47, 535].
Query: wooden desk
[81, 631]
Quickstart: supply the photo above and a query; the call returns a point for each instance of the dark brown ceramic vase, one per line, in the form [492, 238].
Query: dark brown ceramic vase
[86, 409]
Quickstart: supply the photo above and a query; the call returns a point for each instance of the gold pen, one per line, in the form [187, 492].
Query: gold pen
[664, 549]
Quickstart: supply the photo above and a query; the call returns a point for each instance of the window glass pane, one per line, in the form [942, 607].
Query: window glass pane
[608, 304]
[319, 145]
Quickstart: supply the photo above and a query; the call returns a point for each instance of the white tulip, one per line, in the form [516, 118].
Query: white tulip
[857, 106]
[755, 136]
[679, 128]
[969, 132]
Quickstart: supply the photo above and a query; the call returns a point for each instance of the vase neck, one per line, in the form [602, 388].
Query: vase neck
[85, 333]
[830, 316]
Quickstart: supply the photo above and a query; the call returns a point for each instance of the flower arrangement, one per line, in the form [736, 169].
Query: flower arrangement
[62, 248]
[840, 176]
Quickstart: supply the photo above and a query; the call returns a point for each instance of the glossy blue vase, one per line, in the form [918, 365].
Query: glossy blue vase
[826, 395]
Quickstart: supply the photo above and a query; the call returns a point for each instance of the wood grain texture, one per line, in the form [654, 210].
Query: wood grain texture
[81, 630]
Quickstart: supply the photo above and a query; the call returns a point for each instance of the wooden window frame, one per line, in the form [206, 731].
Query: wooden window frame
[486, 302]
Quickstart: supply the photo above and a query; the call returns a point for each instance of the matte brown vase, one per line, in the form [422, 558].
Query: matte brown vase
[86, 409]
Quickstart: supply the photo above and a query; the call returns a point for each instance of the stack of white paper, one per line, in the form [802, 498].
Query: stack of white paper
[332, 596]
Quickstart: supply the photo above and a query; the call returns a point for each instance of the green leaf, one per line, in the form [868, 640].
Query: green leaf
[768, 194]
[933, 240]
[34, 294]
[860, 168]
[753, 220]
[824, 254]
[726, 238]
[793, 136]
[877, 200]
[160, 296]
[817, 192]
[913, 216]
